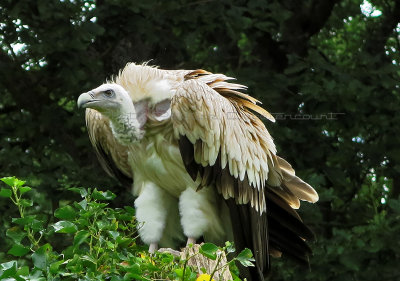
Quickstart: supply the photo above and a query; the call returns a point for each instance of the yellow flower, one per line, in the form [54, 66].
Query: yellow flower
[204, 277]
[143, 256]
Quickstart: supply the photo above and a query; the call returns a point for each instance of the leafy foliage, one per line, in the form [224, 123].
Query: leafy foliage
[99, 244]
[327, 69]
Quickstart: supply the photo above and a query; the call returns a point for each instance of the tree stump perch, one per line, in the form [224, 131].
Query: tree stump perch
[199, 262]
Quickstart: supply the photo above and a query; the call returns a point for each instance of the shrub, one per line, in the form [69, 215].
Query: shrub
[97, 243]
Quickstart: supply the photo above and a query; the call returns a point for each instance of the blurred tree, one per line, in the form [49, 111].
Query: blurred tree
[328, 69]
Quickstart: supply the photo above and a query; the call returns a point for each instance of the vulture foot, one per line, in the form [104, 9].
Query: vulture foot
[153, 248]
[190, 241]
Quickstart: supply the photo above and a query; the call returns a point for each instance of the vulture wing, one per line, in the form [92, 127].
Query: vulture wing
[227, 146]
[112, 156]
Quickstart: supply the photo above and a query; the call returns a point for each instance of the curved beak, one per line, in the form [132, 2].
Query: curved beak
[85, 99]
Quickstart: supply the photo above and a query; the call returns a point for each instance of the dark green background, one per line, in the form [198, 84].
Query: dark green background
[312, 57]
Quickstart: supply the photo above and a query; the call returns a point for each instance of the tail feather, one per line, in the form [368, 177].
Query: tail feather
[294, 184]
[281, 212]
[302, 190]
[250, 231]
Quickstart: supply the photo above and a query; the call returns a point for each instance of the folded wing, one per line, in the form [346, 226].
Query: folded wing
[224, 143]
[112, 155]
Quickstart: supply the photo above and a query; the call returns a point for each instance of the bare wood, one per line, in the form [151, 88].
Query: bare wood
[199, 262]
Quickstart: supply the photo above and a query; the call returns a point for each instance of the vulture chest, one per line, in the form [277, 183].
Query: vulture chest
[158, 160]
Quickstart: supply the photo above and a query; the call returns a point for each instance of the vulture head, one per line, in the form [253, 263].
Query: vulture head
[127, 119]
[107, 99]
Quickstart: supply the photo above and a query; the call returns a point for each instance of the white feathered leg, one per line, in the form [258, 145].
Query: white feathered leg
[151, 213]
[200, 215]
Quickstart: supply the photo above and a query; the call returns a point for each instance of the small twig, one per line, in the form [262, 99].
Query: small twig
[216, 266]
[186, 262]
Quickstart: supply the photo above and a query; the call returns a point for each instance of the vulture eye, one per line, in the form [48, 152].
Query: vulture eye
[109, 93]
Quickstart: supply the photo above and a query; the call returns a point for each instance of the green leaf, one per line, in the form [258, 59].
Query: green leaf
[18, 250]
[5, 192]
[80, 237]
[167, 258]
[129, 210]
[209, 250]
[8, 269]
[31, 221]
[110, 245]
[80, 190]
[83, 221]
[37, 225]
[134, 269]
[24, 189]
[24, 221]
[124, 241]
[189, 274]
[65, 227]
[89, 259]
[54, 267]
[246, 258]
[114, 234]
[18, 182]
[39, 260]
[179, 273]
[12, 181]
[101, 195]
[230, 248]
[102, 224]
[23, 271]
[82, 204]
[26, 202]
[65, 213]
[16, 234]
[41, 256]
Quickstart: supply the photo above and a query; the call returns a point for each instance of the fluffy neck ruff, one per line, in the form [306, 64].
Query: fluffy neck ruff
[146, 82]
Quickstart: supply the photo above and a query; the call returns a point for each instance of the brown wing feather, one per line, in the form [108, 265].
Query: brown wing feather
[254, 107]
[226, 145]
[113, 156]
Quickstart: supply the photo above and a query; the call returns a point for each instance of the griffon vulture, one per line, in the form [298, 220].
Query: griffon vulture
[201, 161]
